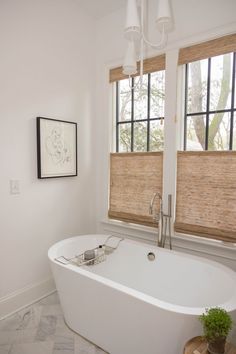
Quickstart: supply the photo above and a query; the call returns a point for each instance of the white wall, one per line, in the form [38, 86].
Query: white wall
[195, 21]
[46, 69]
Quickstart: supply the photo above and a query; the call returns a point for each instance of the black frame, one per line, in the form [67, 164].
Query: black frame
[132, 121]
[42, 175]
[207, 113]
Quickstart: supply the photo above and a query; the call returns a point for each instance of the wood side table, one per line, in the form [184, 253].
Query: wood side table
[198, 345]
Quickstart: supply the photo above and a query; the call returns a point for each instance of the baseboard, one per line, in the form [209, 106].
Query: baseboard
[24, 297]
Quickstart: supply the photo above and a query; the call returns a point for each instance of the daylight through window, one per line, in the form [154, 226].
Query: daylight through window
[140, 113]
[210, 104]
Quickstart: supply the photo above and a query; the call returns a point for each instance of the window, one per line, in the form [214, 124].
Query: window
[140, 113]
[205, 185]
[210, 104]
[136, 167]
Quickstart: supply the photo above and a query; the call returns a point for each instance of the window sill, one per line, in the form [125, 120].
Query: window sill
[186, 243]
[141, 232]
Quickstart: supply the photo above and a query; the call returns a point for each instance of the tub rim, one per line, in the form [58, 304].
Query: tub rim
[229, 306]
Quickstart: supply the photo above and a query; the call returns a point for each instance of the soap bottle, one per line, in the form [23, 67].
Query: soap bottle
[100, 253]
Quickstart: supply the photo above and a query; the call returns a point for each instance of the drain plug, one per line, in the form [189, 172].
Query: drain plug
[151, 256]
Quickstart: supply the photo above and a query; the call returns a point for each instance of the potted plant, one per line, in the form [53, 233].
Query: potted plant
[217, 324]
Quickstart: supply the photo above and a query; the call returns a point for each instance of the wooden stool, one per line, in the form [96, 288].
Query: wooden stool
[198, 345]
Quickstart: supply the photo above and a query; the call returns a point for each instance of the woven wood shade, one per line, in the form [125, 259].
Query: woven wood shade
[206, 194]
[223, 45]
[150, 65]
[134, 178]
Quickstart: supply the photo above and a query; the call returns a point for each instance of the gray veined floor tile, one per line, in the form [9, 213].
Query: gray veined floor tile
[32, 348]
[63, 341]
[63, 345]
[27, 318]
[61, 322]
[4, 349]
[47, 328]
[10, 323]
[41, 329]
[54, 309]
[19, 336]
[82, 346]
[52, 299]
[100, 351]
[64, 331]
[62, 351]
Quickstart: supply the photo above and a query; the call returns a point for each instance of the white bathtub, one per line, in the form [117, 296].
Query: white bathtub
[130, 305]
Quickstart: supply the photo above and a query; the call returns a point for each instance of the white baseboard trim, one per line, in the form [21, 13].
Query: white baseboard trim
[19, 299]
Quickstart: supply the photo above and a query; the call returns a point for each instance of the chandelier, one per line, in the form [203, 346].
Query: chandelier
[135, 34]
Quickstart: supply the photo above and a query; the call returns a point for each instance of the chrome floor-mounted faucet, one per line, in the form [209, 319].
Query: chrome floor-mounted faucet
[158, 217]
[164, 220]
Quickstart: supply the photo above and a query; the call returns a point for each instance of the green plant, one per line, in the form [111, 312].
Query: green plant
[216, 323]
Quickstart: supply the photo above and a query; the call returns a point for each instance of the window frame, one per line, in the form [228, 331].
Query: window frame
[208, 111]
[148, 120]
[173, 133]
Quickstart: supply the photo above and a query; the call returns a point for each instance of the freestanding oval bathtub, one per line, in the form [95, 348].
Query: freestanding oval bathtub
[131, 305]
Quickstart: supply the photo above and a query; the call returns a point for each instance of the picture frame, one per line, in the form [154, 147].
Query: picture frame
[56, 148]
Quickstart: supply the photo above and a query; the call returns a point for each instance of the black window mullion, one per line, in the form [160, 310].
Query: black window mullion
[117, 114]
[231, 111]
[148, 111]
[208, 103]
[132, 114]
[212, 112]
[232, 103]
[145, 120]
[131, 122]
[186, 105]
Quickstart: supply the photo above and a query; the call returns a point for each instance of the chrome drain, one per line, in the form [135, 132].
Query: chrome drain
[151, 256]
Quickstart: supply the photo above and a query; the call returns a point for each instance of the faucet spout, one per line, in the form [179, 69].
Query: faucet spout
[152, 202]
[157, 217]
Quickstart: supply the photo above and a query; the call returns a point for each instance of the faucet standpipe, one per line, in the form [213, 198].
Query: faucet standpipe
[160, 218]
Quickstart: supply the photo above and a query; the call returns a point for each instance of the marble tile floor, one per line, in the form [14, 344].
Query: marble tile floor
[40, 329]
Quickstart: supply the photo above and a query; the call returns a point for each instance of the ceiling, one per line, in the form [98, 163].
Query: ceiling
[100, 8]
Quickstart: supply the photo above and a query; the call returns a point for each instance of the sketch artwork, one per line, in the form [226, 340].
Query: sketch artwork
[57, 147]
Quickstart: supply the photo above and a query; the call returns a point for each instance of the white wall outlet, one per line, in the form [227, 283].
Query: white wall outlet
[14, 186]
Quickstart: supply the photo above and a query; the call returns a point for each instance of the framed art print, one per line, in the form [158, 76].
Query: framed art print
[56, 148]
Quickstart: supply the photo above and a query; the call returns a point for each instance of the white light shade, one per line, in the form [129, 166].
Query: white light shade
[130, 64]
[132, 25]
[164, 17]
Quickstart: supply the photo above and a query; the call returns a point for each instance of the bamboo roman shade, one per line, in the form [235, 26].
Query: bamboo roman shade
[206, 194]
[134, 178]
[149, 66]
[222, 45]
